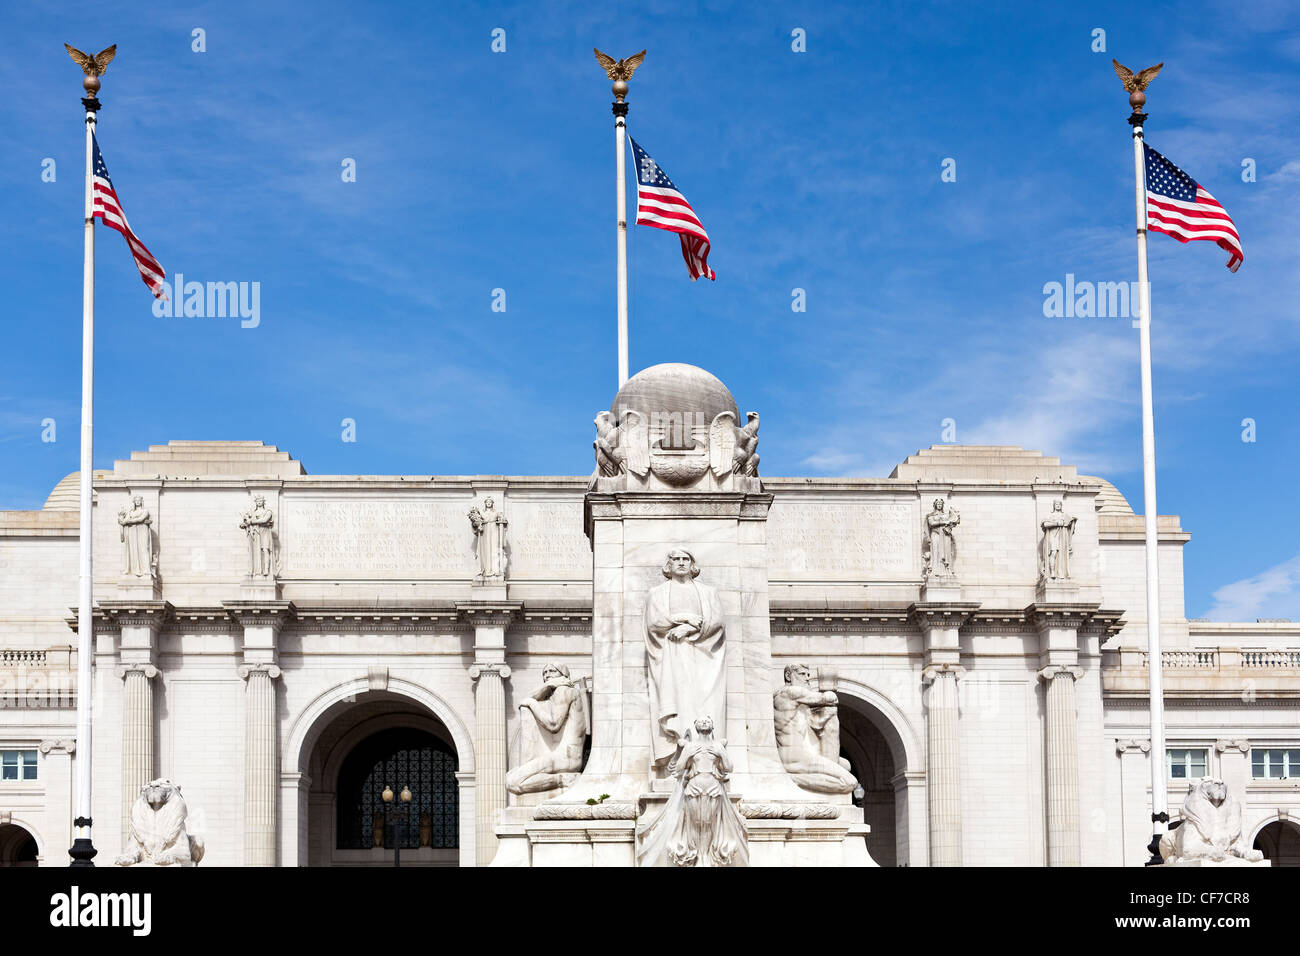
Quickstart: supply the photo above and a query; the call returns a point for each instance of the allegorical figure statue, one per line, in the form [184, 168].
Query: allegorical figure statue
[808, 733]
[553, 728]
[257, 524]
[1058, 542]
[684, 641]
[136, 535]
[158, 833]
[1210, 827]
[489, 542]
[940, 545]
[699, 825]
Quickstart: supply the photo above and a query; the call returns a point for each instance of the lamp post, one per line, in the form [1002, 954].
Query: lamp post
[393, 813]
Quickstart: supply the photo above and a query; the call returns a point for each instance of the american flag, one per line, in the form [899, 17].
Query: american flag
[1179, 207]
[109, 208]
[660, 204]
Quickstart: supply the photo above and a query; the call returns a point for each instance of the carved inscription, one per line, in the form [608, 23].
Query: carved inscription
[354, 537]
[859, 539]
[546, 540]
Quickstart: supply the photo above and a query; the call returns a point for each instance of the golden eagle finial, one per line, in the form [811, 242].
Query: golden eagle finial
[1135, 84]
[620, 71]
[92, 65]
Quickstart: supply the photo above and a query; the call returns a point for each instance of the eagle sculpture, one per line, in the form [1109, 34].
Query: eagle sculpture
[92, 65]
[618, 70]
[1135, 83]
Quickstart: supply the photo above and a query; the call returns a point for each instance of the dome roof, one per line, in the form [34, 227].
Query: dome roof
[66, 495]
[674, 388]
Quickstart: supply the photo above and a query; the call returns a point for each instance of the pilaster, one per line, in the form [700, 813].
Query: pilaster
[940, 623]
[261, 622]
[489, 672]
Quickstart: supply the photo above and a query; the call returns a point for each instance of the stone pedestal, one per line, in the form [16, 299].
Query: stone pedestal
[1230, 861]
[632, 533]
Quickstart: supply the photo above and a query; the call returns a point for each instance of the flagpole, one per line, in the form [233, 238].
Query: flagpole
[620, 71]
[620, 137]
[83, 850]
[1159, 786]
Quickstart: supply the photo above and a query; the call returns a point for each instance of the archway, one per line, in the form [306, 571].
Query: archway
[17, 846]
[883, 755]
[353, 750]
[1279, 841]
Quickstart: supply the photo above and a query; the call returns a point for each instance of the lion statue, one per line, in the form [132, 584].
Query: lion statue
[1210, 828]
[158, 833]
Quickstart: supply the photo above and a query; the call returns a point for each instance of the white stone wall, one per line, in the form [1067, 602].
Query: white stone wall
[357, 544]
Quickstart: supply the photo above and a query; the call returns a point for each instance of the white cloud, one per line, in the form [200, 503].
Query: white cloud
[1274, 592]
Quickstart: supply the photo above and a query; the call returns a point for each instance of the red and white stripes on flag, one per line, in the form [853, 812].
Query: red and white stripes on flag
[1178, 206]
[107, 207]
[660, 204]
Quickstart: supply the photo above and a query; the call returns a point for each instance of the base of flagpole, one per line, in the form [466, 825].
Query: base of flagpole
[83, 850]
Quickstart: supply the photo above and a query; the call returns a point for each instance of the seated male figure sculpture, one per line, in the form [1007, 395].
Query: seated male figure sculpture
[808, 733]
[553, 728]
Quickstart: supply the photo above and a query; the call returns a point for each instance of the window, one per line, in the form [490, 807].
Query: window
[1275, 764]
[1187, 764]
[17, 764]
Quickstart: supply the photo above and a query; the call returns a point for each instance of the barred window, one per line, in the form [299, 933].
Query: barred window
[402, 757]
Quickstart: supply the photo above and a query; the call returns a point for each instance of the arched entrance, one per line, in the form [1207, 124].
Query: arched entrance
[1279, 841]
[882, 754]
[867, 752]
[355, 749]
[17, 846]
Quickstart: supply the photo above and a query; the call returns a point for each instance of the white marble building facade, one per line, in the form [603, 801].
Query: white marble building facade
[998, 719]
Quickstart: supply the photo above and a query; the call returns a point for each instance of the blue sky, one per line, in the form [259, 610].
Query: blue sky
[818, 170]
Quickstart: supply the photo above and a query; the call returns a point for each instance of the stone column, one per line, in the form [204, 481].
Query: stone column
[137, 735]
[1058, 626]
[56, 773]
[261, 763]
[1234, 765]
[1062, 757]
[940, 623]
[261, 622]
[489, 673]
[943, 763]
[139, 625]
[1135, 810]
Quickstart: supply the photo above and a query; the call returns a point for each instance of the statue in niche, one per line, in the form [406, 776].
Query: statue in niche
[1210, 828]
[257, 524]
[699, 825]
[553, 728]
[489, 542]
[939, 547]
[136, 534]
[808, 733]
[1058, 542]
[684, 641]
